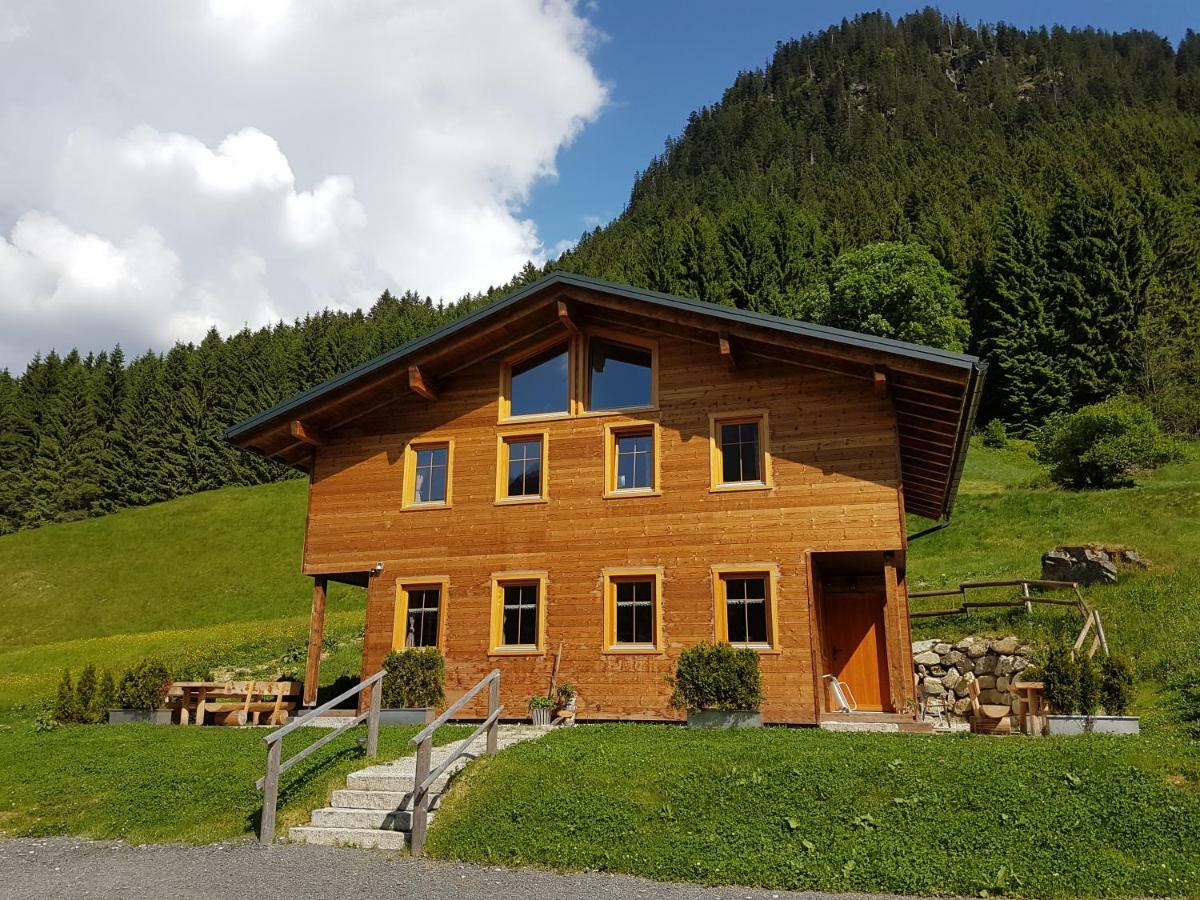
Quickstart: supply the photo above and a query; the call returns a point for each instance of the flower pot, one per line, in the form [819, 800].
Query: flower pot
[1063, 725]
[417, 715]
[540, 716]
[720, 718]
[140, 716]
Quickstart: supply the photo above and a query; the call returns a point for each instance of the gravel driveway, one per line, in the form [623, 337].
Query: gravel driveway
[71, 868]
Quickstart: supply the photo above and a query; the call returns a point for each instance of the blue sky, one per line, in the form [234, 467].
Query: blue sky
[665, 58]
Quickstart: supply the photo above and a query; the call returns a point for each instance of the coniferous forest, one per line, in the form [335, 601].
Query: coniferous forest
[1029, 196]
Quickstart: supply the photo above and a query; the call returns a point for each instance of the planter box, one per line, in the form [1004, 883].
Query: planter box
[414, 716]
[719, 718]
[1093, 725]
[540, 716]
[132, 716]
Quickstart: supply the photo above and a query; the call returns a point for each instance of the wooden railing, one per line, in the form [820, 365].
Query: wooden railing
[269, 783]
[1091, 615]
[423, 779]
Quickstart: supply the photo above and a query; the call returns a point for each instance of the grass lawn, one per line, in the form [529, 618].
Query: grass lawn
[142, 783]
[804, 809]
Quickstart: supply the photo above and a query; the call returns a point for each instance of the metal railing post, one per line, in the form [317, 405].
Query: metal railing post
[270, 793]
[420, 807]
[493, 705]
[373, 718]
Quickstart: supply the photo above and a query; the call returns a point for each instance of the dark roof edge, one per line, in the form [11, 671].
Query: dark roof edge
[778, 323]
[966, 425]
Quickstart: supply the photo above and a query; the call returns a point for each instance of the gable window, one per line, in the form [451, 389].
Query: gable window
[419, 614]
[620, 375]
[518, 612]
[631, 460]
[744, 599]
[521, 468]
[540, 384]
[427, 473]
[740, 458]
[632, 610]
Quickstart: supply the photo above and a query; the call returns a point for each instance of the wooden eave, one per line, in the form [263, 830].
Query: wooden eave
[934, 392]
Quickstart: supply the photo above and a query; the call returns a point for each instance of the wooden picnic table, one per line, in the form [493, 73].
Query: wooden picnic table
[233, 702]
[1031, 706]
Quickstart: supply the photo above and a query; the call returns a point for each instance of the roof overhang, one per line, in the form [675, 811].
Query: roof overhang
[935, 392]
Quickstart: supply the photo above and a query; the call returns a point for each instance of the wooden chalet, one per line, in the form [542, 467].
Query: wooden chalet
[621, 474]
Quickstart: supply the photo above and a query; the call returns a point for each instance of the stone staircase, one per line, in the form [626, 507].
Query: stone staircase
[374, 811]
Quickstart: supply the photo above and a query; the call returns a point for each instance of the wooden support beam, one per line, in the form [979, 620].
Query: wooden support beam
[567, 318]
[726, 347]
[881, 385]
[307, 434]
[419, 384]
[316, 636]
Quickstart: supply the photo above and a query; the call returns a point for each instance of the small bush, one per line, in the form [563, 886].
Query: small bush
[85, 694]
[65, 710]
[1103, 445]
[144, 686]
[1088, 674]
[541, 701]
[1116, 685]
[995, 435]
[717, 676]
[416, 678]
[1060, 674]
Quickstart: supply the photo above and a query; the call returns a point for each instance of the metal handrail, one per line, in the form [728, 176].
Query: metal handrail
[423, 779]
[269, 783]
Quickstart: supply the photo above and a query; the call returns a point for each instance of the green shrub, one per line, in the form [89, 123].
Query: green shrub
[717, 676]
[65, 709]
[995, 435]
[144, 686]
[541, 701]
[415, 678]
[1060, 674]
[1116, 685]
[85, 694]
[105, 697]
[1088, 675]
[1104, 444]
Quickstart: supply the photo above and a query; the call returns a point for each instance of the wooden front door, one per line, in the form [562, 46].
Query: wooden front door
[856, 645]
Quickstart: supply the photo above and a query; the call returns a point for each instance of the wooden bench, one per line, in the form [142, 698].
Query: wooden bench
[235, 703]
[988, 718]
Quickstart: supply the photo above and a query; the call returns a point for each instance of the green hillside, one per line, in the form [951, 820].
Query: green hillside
[213, 579]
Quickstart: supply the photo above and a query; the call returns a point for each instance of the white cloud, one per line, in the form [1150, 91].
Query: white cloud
[167, 166]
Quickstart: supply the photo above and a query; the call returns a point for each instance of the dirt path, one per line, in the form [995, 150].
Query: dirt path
[72, 868]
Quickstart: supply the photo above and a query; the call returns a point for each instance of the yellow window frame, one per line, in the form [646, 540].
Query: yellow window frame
[404, 586]
[717, 456]
[506, 367]
[585, 376]
[611, 578]
[501, 580]
[503, 439]
[410, 472]
[769, 571]
[614, 430]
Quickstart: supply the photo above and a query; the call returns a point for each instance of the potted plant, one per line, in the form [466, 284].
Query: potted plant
[540, 708]
[719, 686]
[1077, 689]
[141, 693]
[565, 702]
[413, 687]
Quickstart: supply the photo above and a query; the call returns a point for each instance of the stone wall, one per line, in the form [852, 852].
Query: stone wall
[945, 670]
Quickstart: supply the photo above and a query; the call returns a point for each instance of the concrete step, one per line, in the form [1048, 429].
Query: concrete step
[389, 800]
[390, 782]
[362, 838]
[340, 817]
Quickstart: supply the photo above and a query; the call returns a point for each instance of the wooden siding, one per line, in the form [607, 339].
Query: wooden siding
[835, 487]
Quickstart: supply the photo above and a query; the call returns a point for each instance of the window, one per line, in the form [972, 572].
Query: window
[518, 612]
[745, 605]
[540, 384]
[427, 474]
[632, 610]
[631, 460]
[740, 457]
[621, 376]
[521, 468]
[419, 613]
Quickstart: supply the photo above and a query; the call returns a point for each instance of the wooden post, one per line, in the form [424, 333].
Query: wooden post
[420, 808]
[266, 831]
[493, 705]
[373, 718]
[316, 634]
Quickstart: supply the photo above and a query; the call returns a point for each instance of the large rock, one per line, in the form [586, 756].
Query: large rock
[962, 706]
[986, 665]
[964, 684]
[986, 682]
[1002, 683]
[1005, 646]
[941, 649]
[928, 658]
[958, 660]
[932, 687]
[1084, 565]
[922, 646]
[951, 679]
[975, 647]
[1005, 665]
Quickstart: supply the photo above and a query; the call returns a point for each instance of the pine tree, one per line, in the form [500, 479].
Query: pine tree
[748, 239]
[64, 479]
